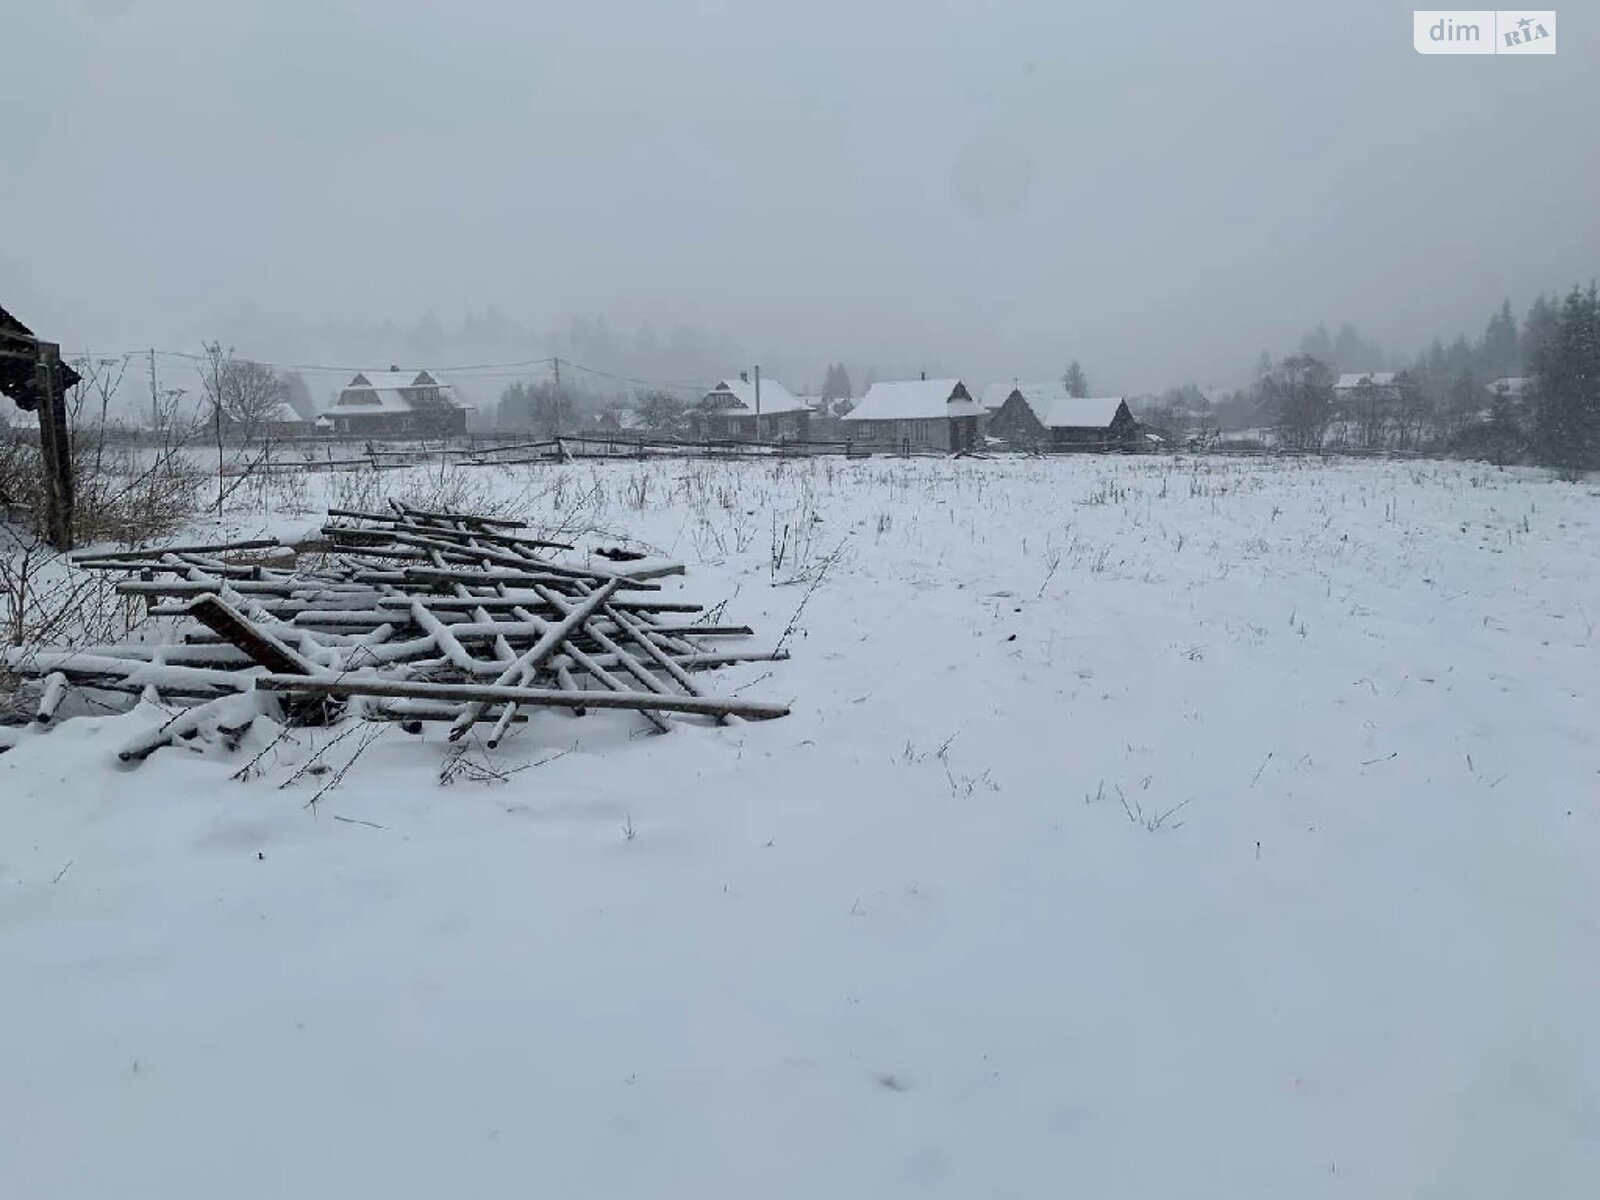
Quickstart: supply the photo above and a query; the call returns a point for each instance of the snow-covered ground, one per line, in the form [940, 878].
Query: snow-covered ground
[1142, 828]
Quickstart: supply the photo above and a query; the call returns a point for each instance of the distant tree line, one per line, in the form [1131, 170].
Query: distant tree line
[1523, 391]
[1566, 428]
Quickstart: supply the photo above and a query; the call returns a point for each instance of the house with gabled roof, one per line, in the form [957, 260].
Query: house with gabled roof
[279, 420]
[916, 414]
[729, 412]
[1046, 416]
[1353, 381]
[396, 403]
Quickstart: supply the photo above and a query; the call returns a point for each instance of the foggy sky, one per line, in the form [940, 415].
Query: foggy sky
[1161, 190]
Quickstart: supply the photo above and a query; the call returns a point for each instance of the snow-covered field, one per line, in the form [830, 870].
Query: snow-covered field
[1142, 828]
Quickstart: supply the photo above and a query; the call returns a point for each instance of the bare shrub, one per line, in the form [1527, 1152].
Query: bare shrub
[125, 491]
[357, 491]
[453, 488]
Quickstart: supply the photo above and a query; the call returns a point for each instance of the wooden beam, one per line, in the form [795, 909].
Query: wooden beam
[55, 446]
[263, 647]
[357, 685]
[85, 557]
[522, 669]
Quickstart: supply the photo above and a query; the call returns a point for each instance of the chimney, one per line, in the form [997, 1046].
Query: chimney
[924, 376]
[394, 368]
[744, 376]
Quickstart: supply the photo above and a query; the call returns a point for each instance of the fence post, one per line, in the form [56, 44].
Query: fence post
[55, 446]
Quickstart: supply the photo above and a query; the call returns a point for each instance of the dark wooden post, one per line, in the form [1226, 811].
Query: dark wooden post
[55, 445]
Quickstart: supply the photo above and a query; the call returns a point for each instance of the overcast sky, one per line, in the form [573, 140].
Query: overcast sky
[1160, 189]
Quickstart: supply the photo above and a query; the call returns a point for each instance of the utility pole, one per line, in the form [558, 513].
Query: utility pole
[556, 433]
[758, 402]
[155, 401]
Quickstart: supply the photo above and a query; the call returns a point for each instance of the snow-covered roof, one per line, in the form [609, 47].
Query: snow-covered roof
[915, 399]
[1510, 385]
[1055, 408]
[1079, 412]
[996, 394]
[376, 393]
[393, 379]
[1351, 380]
[371, 401]
[1040, 396]
[282, 413]
[739, 395]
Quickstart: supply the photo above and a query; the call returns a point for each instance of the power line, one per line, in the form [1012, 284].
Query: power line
[457, 369]
[655, 383]
[506, 370]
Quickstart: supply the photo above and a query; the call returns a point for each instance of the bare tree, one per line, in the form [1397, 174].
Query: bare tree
[662, 412]
[1076, 382]
[99, 380]
[1372, 410]
[212, 368]
[1413, 412]
[1298, 394]
[241, 396]
[253, 397]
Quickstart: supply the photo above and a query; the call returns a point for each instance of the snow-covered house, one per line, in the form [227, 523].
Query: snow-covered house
[729, 411]
[1045, 415]
[395, 403]
[931, 414]
[826, 413]
[618, 420]
[280, 421]
[1352, 381]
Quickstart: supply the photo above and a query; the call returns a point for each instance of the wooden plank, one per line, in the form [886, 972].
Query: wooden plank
[567, 682]
[477, 577]
[523, 667]
[468, 518]
[440, 540]
[703, 630]
[598, 672]
[158, 551]
[358, 685]
[263, 647]
[447, 603]
[220, 570]
[656, 572]
[237, 708]
[55, 690]
[639, 632]
[138, 672]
